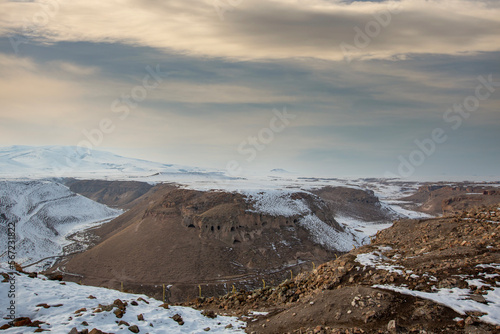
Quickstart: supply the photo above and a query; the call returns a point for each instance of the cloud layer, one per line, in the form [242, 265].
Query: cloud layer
[227, 64]
[266, 29]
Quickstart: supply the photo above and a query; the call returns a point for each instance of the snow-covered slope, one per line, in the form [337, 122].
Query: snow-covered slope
[65, 300]
[72, 161]
[285, 202]
[43, 213]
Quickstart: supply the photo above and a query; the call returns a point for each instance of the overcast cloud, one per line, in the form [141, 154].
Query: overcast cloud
[364, 80]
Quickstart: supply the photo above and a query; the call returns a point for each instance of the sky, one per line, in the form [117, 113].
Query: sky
[335, 88]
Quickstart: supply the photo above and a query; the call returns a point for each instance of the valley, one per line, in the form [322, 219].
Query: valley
[202, 239]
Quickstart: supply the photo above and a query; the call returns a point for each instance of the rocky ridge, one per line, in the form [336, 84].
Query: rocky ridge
[391, 285]
[449, 199]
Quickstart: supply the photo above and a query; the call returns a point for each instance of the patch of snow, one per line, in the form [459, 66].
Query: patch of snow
[361, 229]
[277, 203]
[377, 260]
[458, 300]
[490, 265]
[280, 202]
[33, 291]
[489, 275]
[258, 313]
[390, 205]
[326, 235]
[476, 282]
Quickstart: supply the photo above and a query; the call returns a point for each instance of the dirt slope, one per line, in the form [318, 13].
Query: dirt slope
[112, 193]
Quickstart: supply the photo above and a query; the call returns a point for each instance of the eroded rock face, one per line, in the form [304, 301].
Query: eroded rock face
[220, 216]
[362, 204]
[230, 217]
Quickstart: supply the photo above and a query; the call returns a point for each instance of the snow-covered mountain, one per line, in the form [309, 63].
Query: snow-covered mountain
[43, 213]
[73, 161]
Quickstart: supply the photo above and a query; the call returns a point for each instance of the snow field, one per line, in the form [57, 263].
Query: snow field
[34, 291]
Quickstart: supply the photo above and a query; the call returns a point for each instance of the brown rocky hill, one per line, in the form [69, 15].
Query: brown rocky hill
[435, 275]
[192, 239]
[355, 203]
[437, 199]
[111, 193]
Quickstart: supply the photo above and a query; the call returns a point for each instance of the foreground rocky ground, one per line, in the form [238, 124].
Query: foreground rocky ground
[437, 275]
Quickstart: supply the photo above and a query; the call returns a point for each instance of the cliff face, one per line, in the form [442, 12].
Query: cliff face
[351, 202]
[230, 217]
